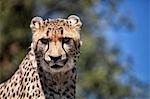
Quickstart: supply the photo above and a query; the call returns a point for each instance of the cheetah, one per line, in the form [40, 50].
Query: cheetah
[48, 71]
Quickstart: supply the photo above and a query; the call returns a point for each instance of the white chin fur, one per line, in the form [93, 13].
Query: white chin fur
[69, 65]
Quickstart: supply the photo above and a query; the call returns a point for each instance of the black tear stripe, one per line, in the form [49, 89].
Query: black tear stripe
[47, 32]
[47, 48]
[61, 30]
[75, 44]
[64, 50]
[36, 45]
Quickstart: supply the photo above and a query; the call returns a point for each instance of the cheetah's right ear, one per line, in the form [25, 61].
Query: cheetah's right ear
[36, 23]
[75, 21]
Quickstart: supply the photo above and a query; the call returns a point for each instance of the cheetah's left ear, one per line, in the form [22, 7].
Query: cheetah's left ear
[75, 21]
[36, 23]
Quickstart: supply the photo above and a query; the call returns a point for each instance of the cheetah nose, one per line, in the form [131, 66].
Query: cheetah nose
[55, 58]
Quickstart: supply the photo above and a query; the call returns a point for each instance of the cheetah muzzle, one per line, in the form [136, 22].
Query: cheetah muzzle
[49, 69]
[56, 62]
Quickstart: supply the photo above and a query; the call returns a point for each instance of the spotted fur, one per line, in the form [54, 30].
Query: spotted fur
[49, 69]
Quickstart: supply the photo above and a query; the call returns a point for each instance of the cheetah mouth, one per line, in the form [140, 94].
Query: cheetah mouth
[59, 64]
[56, 66]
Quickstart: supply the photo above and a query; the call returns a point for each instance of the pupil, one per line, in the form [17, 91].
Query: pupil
[66, 40]
[44, 41]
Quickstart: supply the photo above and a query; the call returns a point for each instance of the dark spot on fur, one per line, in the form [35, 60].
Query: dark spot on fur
[12, 90]
[13, 94]
[25, 79]
[7, 88]
[4, 95]
[37, 85]
[11, 84]
[33, 73]
[1, 92]
[68, 96]
[28, 88]
[36, 77]
[27, 94]
[74, 60]
[17, 92]
[33, 87]
[65, 82]
[24, 87]
[28, 74]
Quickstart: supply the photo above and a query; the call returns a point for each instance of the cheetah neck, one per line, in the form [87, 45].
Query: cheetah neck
[61, 84]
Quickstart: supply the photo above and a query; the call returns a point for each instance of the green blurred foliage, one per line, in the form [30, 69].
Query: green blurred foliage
[99, 67]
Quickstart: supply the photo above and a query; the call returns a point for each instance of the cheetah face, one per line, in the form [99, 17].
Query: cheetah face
[58, 41]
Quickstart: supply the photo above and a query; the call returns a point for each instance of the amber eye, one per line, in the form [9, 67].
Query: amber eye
[66, 40]
[44, 41]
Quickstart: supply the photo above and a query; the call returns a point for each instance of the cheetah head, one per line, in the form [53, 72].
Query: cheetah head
[56, 42]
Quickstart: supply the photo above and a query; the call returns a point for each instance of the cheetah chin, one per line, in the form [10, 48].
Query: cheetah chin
[57, 65]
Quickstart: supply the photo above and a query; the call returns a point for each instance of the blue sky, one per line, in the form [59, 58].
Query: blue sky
[135, 43]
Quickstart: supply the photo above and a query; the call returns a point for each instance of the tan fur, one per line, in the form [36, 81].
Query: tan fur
[49, 69]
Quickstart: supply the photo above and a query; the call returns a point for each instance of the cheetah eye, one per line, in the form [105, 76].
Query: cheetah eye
[66, 40]
[44, 41]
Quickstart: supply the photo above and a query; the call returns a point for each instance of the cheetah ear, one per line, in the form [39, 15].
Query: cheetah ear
[36, 23]
[75, 21]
